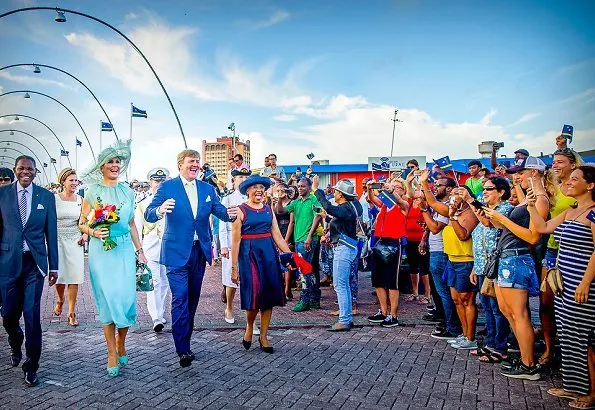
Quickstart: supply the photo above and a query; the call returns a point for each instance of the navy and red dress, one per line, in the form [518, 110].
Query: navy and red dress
[261, 280]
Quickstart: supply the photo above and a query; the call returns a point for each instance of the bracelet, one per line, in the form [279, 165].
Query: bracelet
[423, 209]
[92, 232]
[139, 251]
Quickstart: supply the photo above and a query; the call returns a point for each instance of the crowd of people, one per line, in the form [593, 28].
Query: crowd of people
[498, 239]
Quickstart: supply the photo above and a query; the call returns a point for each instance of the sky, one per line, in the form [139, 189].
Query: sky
[301, 77]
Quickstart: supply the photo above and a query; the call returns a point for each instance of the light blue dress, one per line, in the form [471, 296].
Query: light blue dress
[113, 272]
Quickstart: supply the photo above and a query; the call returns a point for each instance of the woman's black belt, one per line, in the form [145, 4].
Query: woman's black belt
[514, 252]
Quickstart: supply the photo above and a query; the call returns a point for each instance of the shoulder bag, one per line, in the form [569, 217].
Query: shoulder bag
[144, 277]
[487, 288]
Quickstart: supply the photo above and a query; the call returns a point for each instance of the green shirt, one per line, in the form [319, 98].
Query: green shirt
[303, 216]
[476, 186]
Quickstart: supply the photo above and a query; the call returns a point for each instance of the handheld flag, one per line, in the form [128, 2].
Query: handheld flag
[591, 216]
[443, 162]
[232, 126]
[310, 156]
[376, 167]
[136, 112]
[106, 126]
[387, 199]
[79, 143]
[63, 153]
[53, 160]
[567, 132]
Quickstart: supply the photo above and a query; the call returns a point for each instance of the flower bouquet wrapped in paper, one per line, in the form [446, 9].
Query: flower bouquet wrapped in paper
[103, 216]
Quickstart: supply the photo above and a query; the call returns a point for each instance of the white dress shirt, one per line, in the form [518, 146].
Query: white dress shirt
[190, 188]
[29, 195]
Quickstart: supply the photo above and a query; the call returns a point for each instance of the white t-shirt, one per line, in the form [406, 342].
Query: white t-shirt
[435, 240]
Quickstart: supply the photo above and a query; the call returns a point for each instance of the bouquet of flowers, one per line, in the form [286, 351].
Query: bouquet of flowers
[103, 216]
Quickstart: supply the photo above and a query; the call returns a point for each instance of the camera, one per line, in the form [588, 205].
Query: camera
[317, 209]
[291, 192]
[499, 145]
[376, 185]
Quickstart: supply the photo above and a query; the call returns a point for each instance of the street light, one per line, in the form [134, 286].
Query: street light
[16, 118]
[38, 70]
[42, 123]
[61, 18]
[59, 102]
[27, 95]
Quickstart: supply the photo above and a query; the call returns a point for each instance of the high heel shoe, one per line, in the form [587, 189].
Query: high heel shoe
[246, 344]
[113, 371]
[122, 360]
[58, 308]
[266, 349]
[72, 319]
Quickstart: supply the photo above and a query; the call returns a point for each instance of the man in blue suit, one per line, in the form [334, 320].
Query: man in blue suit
[187, 205]
[28, 250]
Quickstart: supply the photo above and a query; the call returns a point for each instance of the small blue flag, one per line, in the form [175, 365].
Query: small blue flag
[137, 112]
[310, 156]
[567, 132]
[591, 216]
[45, 165]
[63, 153]
[443, 162]
[376, 167]
[387, 199]
[79, 143]
[53, 160]
[106, 126]
[385, 166]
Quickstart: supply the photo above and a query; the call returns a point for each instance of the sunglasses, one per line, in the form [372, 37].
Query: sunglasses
[5, 179]
[490, 188]
[411, 166]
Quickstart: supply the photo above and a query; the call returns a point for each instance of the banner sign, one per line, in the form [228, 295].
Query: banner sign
[394, 163]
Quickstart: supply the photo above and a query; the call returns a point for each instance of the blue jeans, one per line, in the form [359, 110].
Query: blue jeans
[353, 278]
[343, 258]
[497, 326]
[438, 262]
[518, 272]
[310, 289]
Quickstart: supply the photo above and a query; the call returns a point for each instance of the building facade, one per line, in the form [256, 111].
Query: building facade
[218, 153]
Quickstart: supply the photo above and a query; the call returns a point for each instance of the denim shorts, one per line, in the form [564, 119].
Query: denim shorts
[518, 272]
[549, 261]
[457, 276]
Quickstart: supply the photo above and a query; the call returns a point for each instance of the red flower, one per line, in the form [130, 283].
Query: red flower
[98, 213]
[110, 208]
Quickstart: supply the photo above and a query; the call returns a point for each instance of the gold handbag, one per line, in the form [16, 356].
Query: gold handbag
[553, 278]
[487, 288]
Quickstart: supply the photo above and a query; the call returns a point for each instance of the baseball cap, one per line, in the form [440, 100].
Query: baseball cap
[527, 163]
[522, 151]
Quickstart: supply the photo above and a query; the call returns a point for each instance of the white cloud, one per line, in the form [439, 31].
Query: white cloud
[276, 18]
[26, 79]
[486, 119]
[579, 99]
[130, 16]
[285, 117]
[525, 118]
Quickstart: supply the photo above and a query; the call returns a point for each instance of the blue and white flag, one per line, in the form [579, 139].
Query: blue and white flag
[567, 132]
[79, 143]
[63, 153]
[376, 167]
[443, 162]
[387, 199]
[137, 112]
[106, 126]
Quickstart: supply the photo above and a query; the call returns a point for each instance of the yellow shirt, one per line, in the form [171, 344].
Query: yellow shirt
[457, 250]
[563, 202]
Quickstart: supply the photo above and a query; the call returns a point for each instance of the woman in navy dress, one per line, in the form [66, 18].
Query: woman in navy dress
[255, 262]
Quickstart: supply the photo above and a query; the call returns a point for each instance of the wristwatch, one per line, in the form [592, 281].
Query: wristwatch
[423, 209]
[454, 218]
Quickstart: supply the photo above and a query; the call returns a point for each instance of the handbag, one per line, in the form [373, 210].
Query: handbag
[144, 278]
[490, 270]
[385, 253]
[487, 288]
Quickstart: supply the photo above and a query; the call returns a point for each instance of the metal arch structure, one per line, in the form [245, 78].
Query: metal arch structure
[33, 152]
[42, 123]
[78, 13]
[59, 102]
[73, 77]
[3, 149]
[42, 146]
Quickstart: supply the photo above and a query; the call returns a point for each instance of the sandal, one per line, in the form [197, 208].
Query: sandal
[411, 298]
[490, 358]
[423, 300]
[481, 351]
[563, 394]
[72, 319]
[58, 308]
[583, 403]
[544, 360]
[500, 356]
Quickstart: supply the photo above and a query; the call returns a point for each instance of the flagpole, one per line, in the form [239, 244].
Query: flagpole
[100, 137]
[76, 156]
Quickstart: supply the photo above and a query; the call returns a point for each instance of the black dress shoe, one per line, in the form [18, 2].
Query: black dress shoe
[15, 357]
[246, 343]
[192, 355]
[185, 360]
[31, 379]
[267, 349]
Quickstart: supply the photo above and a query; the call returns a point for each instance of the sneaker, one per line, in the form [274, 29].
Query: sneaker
[430, 317]
[443, 334]
[390, 321]
[300, 307]
[377, 318]
[511, 362]
[522, 371]
[465, 344]
[157, 326]
[457, 339]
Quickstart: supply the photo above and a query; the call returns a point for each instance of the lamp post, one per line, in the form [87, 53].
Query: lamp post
[42, 123]
[59, 102]
[61, 18]
[395, 120]
[3, 149]
[37, 70]
[42, 146]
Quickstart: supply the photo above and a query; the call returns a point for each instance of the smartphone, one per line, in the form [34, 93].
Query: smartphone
[317, 209]
[478, 205]
[531, 184]
[417, 172]
[499, 145]
[376, 185]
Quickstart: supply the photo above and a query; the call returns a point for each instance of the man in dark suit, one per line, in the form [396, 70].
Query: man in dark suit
[187, 205]
[28, 251]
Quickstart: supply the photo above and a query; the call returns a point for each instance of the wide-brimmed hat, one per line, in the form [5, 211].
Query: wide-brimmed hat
[254, 180]
[345, 187]
[120, 149]
[527, 163]
[242, 172]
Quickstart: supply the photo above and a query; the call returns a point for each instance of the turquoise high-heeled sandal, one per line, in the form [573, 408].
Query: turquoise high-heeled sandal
[113, 371]
[123, 360]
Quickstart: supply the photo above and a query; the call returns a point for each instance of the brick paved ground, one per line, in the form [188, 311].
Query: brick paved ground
[370, 367]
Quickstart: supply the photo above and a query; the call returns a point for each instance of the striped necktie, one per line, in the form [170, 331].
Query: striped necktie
[23, 210]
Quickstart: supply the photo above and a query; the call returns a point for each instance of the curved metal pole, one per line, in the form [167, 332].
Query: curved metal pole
[67, 109]
[38, 160]
[42, 146]
[121, 34]
[23, 145]
[45, 125]
[72, 76]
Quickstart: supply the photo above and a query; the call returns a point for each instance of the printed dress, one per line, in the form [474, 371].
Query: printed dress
[261, 281]
[575, 321]
[70, 253]
[113, 272]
